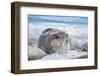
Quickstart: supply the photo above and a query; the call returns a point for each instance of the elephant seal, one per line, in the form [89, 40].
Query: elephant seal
[53, 40]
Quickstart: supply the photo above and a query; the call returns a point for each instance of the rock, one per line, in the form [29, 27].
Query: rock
[85, 47]
[32, 42]
[35, 53]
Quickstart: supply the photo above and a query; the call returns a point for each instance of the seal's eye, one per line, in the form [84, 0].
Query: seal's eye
[55, 36]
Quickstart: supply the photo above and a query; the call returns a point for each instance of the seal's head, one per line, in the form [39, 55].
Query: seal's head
[53, 40]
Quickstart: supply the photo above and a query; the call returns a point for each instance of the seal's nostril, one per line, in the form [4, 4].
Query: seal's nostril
[55, 36]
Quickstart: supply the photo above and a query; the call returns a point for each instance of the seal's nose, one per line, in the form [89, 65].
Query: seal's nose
[55, 36]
